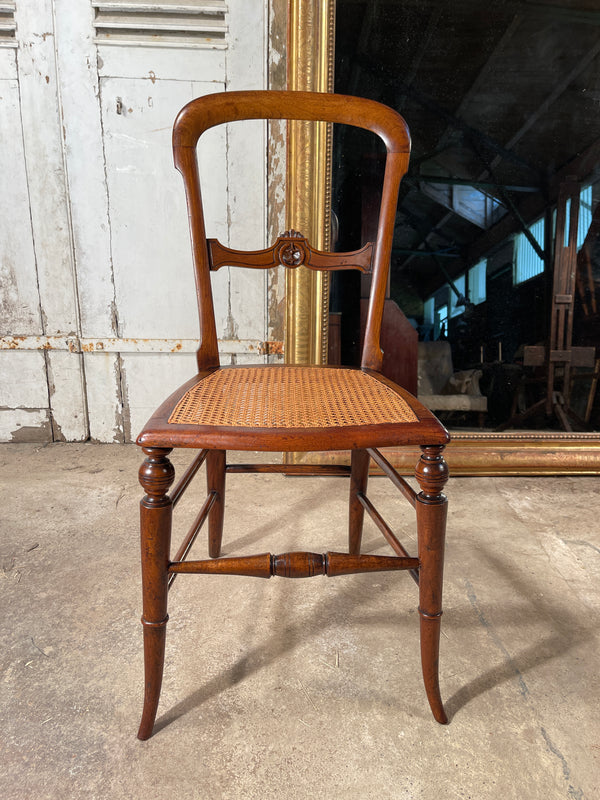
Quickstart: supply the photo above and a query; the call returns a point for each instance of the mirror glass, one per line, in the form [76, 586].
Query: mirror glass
[494, 295]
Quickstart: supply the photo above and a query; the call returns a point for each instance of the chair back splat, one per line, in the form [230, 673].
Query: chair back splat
[277, 408]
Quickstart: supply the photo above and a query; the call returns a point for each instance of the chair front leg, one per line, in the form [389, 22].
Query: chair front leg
[359, 475]
[431, 506]
[215, 479]
[156, 511]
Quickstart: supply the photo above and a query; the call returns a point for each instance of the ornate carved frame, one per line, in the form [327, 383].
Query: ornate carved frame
[310, 59]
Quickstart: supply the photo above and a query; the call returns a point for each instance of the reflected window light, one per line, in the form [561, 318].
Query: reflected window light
[441, 322]
[477, 282]
[455, 308]
[429, 311]
[527, 263]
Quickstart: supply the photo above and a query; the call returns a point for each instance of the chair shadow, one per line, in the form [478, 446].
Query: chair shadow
[235, 545]
[526, 660]
[566, 632]
[293, 512]
[258, 657]
[284, 641]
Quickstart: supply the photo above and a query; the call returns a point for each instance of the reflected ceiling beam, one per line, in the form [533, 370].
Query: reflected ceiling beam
[417, 161]
[421, 227]
[432, 105]
[559, 13]
[531, 120]
[476, 184]
[531, 8]
[502, 151]
[582, 167]
[532, 206]
[506, 150]
[499, 190]
[487, 70]
[423, 48]
[480, 80]
[426, 253]
[403, 90]
[419, 224]
[509, 202]
[369, 21]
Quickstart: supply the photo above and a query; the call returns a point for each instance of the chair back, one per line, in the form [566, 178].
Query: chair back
[291, 249]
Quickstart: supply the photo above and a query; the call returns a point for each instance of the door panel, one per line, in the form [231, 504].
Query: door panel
[154, 284]
[19, 296]
[96, 282]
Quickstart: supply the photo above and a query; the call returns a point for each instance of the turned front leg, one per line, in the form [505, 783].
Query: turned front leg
[431, 506]
[156, 510]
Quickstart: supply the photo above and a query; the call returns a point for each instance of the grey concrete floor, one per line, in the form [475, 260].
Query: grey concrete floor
[295, 689]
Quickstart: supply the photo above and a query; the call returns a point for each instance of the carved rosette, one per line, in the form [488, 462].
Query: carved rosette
[292, 249]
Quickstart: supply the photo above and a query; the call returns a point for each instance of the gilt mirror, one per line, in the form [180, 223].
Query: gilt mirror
[495, 277]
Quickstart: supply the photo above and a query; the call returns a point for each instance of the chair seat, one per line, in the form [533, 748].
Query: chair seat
[291, 408]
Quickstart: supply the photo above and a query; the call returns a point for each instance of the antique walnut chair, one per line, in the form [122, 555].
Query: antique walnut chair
[278, 408]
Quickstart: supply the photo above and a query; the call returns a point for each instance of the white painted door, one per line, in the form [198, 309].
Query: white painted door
[97, 288]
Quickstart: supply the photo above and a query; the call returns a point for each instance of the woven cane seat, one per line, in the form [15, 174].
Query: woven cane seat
[290, 397]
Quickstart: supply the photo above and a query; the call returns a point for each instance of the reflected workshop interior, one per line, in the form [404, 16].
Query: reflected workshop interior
[494, 291]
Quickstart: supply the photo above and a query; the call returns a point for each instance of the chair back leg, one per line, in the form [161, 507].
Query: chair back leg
[215, 481]
[359, 476]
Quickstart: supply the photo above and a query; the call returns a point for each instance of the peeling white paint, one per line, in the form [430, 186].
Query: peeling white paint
[23, 382]
[96, 270]
[19, 298]
[43, 148]
[25, 424]
[75, 344]
[67, 395]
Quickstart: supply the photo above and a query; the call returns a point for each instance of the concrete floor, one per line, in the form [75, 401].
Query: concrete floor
[295, 689]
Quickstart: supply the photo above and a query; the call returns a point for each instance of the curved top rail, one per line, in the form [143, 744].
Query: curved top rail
[214, 109]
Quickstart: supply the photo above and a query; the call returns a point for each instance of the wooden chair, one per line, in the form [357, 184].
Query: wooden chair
[289, 408]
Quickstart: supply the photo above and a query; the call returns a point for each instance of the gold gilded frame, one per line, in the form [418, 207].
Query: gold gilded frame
[310, 55]
[310, 58]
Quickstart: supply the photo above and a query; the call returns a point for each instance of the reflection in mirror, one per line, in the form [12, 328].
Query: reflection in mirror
[494, 297]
